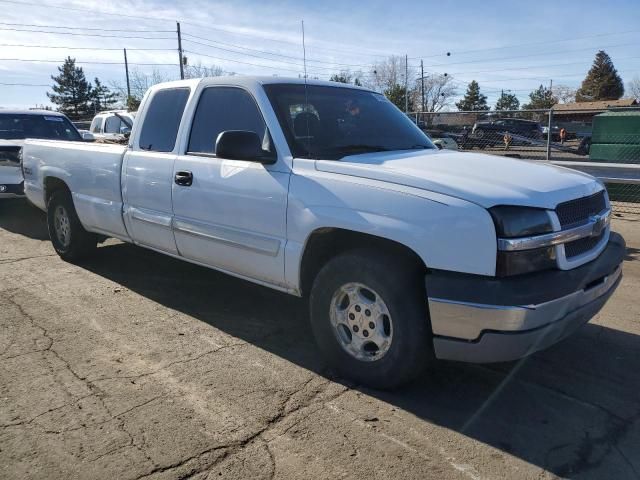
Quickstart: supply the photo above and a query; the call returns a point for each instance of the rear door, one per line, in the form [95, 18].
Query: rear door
[232, 214]
[148, 171]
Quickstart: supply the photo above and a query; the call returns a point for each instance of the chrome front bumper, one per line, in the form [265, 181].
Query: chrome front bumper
[504, 330]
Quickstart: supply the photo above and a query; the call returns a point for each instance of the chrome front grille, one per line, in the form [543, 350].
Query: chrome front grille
[579, 210]
[578, 247]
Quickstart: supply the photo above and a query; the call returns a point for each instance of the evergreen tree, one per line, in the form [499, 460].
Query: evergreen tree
[397, 94]
[602, 82]
[540, 98]
[345, 76]
[507, 101]
[473, 100]
[133, 103]
[340, 78]
[102, 97]
[71, 91]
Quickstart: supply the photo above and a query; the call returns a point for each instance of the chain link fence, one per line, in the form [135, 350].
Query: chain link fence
[605, 144]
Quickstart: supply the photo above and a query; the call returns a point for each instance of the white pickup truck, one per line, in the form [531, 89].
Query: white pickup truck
[405, 253]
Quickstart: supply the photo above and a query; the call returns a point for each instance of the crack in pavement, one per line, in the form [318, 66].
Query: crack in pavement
[170, 364]
[285, 409]
[94, 389]
[588, 448]
[233, 448]
[556, 391]
[6, 261]
[32, 419]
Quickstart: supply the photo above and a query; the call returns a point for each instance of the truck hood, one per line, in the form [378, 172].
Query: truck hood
[486, 180]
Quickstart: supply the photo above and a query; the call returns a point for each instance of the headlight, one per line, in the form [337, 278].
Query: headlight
[514, 222]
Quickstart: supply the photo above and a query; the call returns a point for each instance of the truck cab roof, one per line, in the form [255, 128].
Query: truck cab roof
[251, 81]
[25, 111]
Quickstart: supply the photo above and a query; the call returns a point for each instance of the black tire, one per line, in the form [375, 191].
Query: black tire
[79, 243]
[400, 284]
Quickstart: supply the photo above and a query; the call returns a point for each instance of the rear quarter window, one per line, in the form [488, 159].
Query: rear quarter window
[162, 120]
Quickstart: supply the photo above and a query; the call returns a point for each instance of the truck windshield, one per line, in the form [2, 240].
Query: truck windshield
[16, 126]
[332, 122]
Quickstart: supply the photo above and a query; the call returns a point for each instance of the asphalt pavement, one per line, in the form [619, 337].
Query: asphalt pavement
[136, 365]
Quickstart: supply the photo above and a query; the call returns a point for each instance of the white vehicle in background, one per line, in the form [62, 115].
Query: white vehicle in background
[112, 124]
[444, 142]
[405, 253]
[15, 126]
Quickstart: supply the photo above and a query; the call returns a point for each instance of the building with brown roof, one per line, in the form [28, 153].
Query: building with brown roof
[584, 111]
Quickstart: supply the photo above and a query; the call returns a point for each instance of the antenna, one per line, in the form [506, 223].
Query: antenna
[306, 95]
[304, 55]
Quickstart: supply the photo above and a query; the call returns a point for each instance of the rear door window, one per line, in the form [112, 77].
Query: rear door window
[96, 125]
[112, 125]
[162, 120]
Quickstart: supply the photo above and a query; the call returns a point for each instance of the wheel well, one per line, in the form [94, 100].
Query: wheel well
[326, 243]
[51, 185]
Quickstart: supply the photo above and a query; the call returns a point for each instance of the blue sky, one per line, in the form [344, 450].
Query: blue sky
[511, 45]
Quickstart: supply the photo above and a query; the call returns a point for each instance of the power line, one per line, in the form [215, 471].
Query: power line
[83, 48]
[300, 65]
[531, 55]
[85, 34]
[83, 28]
[194, 24]
[532, 44]
[84, 62]
[87, 10]
[529, 67]
[242, 53]
[244, 63]
[267, 52]
[25, 84]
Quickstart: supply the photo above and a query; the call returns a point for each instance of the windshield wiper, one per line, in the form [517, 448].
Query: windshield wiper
[357, 148]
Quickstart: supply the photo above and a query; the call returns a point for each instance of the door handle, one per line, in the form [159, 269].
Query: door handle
[184, 179]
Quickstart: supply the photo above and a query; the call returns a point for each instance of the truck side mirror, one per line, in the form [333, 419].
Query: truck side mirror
[242, 145]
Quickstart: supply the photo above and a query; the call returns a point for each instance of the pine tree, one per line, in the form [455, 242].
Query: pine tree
[473, 100]
[507, 101]
[602, 82]
[541, 98]
[340, 78]
[71, 91]
[102, 97]
[397, 94]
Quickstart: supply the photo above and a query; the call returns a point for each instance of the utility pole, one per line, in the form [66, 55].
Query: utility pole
[406, 83]
[126, 71]
[422, 81]
[180, 51]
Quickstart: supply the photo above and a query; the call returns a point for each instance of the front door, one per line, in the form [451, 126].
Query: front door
[230, 214]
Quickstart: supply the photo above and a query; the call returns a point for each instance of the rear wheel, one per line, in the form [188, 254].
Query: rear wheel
[70, 240]
[369, 317]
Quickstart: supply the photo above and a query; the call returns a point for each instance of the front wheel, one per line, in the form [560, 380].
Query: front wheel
[369, 318]
[70, 240]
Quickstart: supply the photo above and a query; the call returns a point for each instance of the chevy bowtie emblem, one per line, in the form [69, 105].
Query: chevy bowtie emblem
[599, 223]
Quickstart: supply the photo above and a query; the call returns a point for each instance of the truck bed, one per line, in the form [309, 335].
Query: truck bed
[91, 170]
